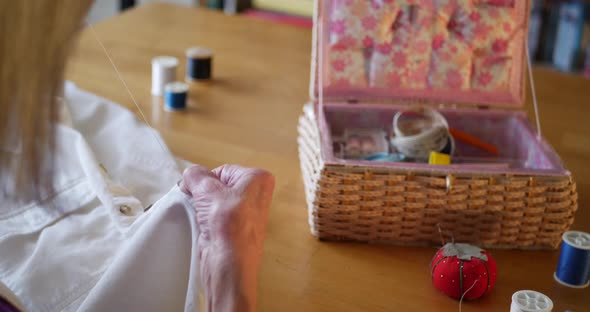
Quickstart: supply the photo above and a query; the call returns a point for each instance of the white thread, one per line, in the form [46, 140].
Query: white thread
[125, 85]
[434, 137]
[442, 240]
[163, 73]
[530, 301]
[533, 91]
[464, 293]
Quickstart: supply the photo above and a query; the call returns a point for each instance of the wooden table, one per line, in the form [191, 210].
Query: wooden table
[248, 115]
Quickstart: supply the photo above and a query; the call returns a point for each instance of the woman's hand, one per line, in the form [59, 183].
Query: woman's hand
[232, 205]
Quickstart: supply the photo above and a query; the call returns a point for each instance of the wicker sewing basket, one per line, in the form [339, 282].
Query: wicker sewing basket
[528, 207]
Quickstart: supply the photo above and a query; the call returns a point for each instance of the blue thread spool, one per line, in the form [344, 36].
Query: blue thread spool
[573, 268]
[175, 94]
[198, 63]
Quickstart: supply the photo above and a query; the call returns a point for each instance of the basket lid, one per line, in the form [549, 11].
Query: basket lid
[437, 51]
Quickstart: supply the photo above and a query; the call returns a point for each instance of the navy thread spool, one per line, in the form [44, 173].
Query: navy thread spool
[573, 267]
[175, 94]
[198, 63]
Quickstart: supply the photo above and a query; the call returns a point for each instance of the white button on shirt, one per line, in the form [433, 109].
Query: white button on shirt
[90, 245]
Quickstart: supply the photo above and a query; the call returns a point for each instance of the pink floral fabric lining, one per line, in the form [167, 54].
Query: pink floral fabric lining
[422, 44]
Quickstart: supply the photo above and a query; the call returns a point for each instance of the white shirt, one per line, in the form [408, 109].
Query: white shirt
[90, 245]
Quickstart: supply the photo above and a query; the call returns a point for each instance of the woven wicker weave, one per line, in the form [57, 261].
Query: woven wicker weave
[374, 204]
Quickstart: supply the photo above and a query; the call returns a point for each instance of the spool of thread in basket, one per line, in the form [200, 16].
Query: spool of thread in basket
[530, 301]
[417, 138]
[163, 72]
[175, 96]
[573, 268]
[199, 63]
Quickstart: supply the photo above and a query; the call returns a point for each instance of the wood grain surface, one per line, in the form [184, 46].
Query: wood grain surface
[248, 115]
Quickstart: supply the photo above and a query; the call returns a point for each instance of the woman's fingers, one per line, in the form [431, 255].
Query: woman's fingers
[238, 177]
[231, 174]
[229, 198]
[247, 183]
[189, 177]
[232, 204]
[198, 180]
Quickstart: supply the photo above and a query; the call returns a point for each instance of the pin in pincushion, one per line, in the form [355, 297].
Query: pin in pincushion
[457, 267]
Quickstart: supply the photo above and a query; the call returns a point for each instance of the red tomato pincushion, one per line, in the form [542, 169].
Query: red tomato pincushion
[457, 267]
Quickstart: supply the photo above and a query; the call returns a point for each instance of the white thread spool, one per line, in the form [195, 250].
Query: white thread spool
[419, 145]
[530, 301]
[163, 72]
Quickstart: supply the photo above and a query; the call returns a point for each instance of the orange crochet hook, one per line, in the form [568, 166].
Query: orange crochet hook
[471, 140]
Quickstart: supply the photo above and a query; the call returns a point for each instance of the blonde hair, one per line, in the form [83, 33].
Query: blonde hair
[36, 37]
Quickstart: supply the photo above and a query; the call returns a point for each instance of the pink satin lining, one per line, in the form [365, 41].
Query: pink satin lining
[509, 130]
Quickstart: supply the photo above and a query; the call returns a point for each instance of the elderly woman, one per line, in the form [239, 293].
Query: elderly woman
[94, 214]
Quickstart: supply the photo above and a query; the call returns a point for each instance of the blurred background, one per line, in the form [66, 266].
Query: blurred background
[559, 31]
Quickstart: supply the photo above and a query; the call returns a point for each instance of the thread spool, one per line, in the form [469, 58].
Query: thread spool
[424, 137]
[573, 267]
[198, 63]
[530, 301]
[175, 96]
[163, 72]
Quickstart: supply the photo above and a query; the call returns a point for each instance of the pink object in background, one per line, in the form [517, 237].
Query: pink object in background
[469, 54]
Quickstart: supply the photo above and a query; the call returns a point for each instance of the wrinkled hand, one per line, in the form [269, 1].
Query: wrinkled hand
[232, 205]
